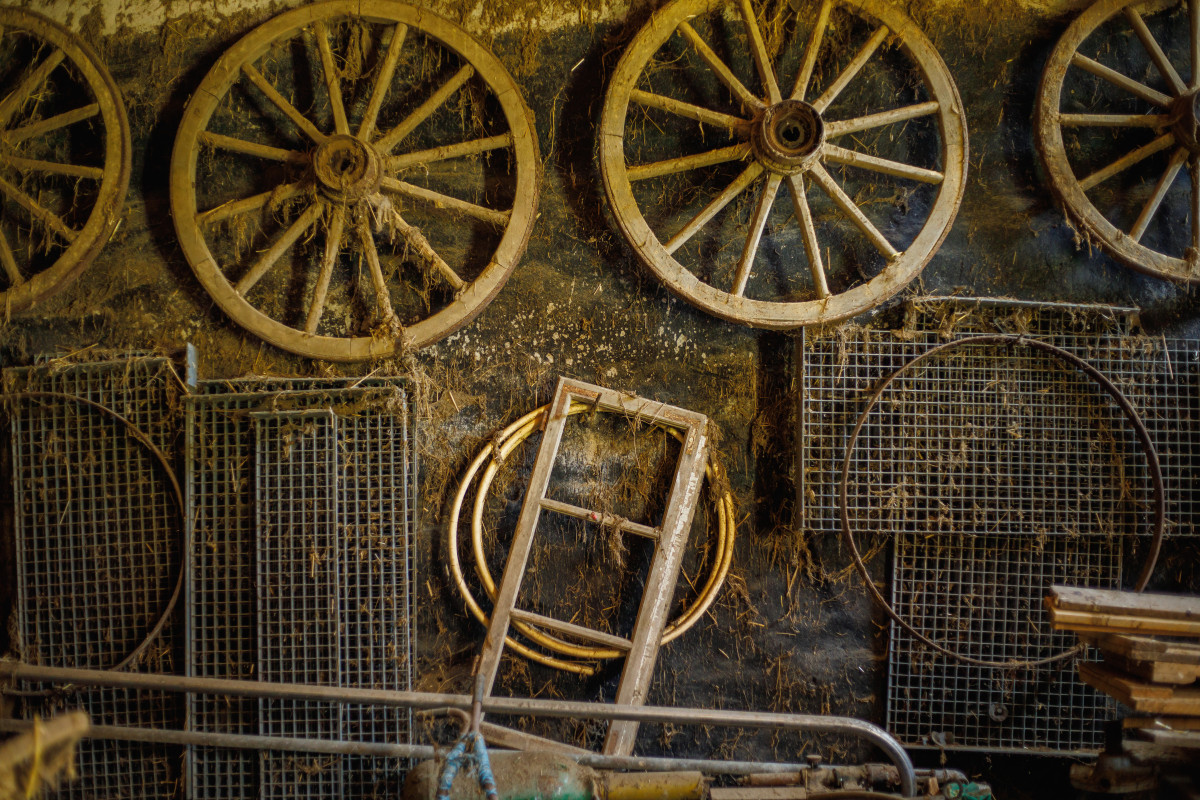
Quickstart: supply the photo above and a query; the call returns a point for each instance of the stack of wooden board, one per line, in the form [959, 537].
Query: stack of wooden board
[1148, 664]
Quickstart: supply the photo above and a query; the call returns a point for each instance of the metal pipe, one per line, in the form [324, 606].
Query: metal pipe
[240, 741]
[514, 706]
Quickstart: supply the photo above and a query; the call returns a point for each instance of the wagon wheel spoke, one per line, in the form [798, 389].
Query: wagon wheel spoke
[867, 122]
[418, 242]
[847, 206]
[811, 49]
[853, 158]
[54, 167]
[383, 297]
[673, 166]
[279, 101]
[18, 135]
[757, 224]
[689, 110]
[244, 147]
[496, 218]
[1165, 68]
[1121, 81]
[285, 240]
[28, 85]
[333, 246]
[246, 205]
[448, 151]
[9, 262]
[1115, 120]
[360, 180]
[38, 212]
[1126, 161]
[758, 48]
[332, 82]
[1178, 158]
[852, 69]
[366, 128]
[812, 247]
[719, 67]
[739, 185]
[389, 141]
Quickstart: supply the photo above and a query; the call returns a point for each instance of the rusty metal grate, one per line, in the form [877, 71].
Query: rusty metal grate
[994, 473]
[98, 548]
[301, 501]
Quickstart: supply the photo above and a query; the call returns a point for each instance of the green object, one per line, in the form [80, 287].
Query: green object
[968, 791]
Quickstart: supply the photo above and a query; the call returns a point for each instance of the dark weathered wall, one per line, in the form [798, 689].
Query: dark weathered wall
[787, 633]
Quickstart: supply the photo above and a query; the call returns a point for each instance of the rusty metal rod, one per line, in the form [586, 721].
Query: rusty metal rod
[238, 741]
[515, 706]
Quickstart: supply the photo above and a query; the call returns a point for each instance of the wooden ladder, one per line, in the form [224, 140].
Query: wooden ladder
[670, 539]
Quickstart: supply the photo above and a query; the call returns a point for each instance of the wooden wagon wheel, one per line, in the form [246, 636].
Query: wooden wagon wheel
[305, 177]
[779, 129]
[64, 157]
[1149, 116]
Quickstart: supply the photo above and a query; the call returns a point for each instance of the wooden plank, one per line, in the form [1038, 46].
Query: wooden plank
[1086, 622]
[758, 793]
[578, 631]
[1154, 671]
[1163, 722]
[1145, 648]
[1143, 697]
[1186, 740]
[1134, 604]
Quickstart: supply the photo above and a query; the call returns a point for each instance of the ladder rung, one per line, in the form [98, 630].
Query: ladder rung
[586, 634]
[598, 517]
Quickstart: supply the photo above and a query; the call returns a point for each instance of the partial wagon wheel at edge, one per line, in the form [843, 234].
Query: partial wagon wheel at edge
[771, 162]
[1173, 116]
[81, 244]
[358, 141]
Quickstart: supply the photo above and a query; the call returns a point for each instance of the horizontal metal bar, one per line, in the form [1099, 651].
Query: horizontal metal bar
[600, 518]
[16, 671]
[587, 634]
[1012, 301]
[238, 741]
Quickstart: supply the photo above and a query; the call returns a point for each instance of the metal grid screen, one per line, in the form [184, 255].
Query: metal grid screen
[301, 502]
[97, 541]
[994, 473]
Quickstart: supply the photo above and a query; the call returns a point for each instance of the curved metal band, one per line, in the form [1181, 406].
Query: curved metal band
[1131, 414]
[176, 492]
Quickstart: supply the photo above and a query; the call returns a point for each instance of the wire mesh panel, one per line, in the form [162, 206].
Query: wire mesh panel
[300, 498]
[97, 545]
[296, 483]
[994, 472]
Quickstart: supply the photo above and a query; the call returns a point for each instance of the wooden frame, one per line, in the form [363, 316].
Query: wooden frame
[670, 538]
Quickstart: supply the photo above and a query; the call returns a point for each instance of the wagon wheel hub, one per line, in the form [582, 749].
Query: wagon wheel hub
[788, 136]
[1185, 116]
[347, 169]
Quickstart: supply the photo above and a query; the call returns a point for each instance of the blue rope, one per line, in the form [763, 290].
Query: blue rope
[458, 757]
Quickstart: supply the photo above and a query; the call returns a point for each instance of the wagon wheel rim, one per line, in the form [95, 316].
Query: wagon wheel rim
[1170, 122]
[23, 129]
[340, 207]
[778, 164]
